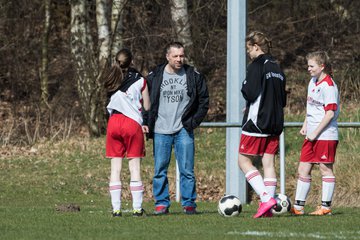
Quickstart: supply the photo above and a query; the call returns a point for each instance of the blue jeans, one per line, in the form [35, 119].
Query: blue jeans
[183, 142]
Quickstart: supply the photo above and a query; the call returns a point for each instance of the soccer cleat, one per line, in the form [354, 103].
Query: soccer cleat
[297, 212]
[268, 214]
[189, 210]
[138, 212]
[161, 210]
[320, 211]
[264, 207]
[117, 213]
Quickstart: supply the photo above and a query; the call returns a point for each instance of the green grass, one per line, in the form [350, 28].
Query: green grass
[35, 180]
[94, 222]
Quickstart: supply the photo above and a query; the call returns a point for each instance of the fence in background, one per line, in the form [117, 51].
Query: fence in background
[281, 147]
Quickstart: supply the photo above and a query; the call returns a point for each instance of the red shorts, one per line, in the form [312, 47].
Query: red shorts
[318, 151]
[257, 146]
[124, 136]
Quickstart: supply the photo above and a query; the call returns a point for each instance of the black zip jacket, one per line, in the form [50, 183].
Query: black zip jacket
[265, 95]
[131, 76]
[197, 90]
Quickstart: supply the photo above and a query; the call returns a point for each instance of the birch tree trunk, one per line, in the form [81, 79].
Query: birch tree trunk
[103, 31]
[44, 75]
[90, 63]
[104, 34]
[180, 18]
[86, 66]
[117, 25]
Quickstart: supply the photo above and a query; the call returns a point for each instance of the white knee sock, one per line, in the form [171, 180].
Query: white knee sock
[257, 183]
[328, 186]
[302, 190]
[115, 193]
[137, 192]
[270, 184]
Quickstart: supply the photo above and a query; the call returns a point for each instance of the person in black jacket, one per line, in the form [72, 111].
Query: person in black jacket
[179, 102]
[264, 92]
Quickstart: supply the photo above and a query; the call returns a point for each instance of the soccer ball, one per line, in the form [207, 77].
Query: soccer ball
[229, 206]
[283, 204]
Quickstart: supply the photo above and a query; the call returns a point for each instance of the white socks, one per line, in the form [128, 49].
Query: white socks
[270, 184]
[302, 190]
[115, 193]
[257, 183]
[328, 187]
[137, 192]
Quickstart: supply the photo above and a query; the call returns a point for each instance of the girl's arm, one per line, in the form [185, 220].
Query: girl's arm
[303, 128]
[324, 122]
[146, 98]
[146, 105]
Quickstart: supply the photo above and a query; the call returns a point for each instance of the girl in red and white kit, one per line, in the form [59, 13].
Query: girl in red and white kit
[321, 133]
[128, 93]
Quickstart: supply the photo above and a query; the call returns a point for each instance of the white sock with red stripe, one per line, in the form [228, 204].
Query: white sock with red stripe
[328, 187]
[256, 181]
[115, 193]
[270, 184]
[302, 190]
[137, 192]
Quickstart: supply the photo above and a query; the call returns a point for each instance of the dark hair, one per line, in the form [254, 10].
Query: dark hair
[259, 39]
[173, 44]
[321, 58]
[126, 58]
[115, 75]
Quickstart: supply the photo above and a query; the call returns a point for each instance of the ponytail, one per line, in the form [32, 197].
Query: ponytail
[259, 39]
[115, 75]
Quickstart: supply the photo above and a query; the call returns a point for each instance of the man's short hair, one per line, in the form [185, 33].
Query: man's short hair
[174, 44]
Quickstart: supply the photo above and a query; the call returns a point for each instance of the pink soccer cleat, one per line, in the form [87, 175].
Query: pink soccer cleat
[264, 207]
[267, 214]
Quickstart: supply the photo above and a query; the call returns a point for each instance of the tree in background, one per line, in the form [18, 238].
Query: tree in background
[92, 56]
[180, 18]
[44, 74]
[145, 26]
[117, 26]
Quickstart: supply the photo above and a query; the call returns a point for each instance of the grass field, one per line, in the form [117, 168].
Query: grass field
[35, 180]
[33, 220]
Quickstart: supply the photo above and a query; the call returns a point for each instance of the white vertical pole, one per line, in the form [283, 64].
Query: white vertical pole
[177, 191]
[236, 73]
[282, 162]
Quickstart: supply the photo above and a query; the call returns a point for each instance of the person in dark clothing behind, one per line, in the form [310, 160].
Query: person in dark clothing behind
[265, 96]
